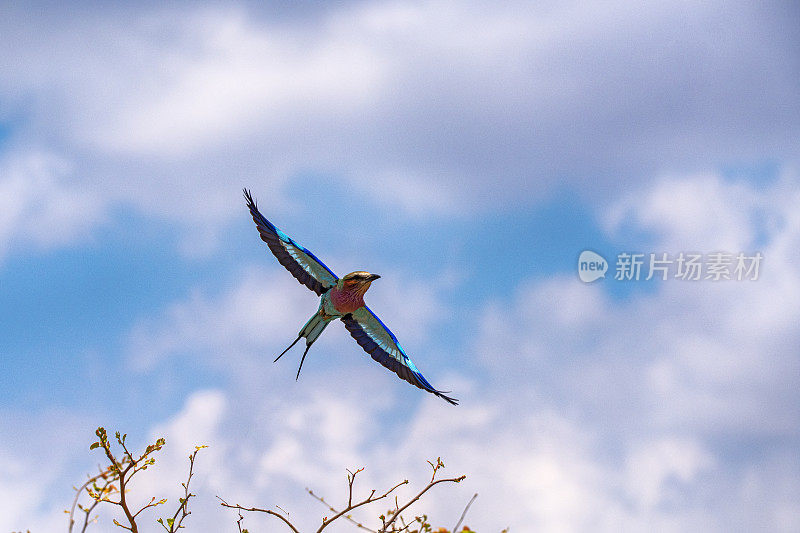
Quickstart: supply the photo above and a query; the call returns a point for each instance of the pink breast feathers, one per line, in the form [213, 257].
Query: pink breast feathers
[346, 301]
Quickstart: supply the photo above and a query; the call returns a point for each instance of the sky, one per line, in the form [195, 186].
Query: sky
[467, 152]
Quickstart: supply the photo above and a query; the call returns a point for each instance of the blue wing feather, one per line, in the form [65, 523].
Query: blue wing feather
[380, 343]
[301, 263]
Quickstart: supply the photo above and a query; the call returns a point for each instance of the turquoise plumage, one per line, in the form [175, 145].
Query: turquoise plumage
[341, 298]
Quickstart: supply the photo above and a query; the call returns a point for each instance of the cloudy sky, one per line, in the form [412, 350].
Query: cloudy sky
[467, 152]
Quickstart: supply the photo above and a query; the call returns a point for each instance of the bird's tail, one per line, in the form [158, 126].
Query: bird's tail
[313, 328]
[311, 331]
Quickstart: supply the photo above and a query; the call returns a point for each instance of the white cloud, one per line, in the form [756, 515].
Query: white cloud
[42, 205]
[21, 494]
[199, 423]
[231, 78]
[432, 106]
[36, 449]
[651, 466]
[695, 213]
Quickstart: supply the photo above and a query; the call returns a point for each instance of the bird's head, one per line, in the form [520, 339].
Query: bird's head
[358, 281]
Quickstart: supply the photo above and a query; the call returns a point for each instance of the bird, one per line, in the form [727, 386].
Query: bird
[340, 298]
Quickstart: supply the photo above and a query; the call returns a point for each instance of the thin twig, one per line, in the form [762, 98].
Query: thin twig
[239, 521]
[175, 523]
[102, 489]
[369, 499]
[257, 510]
[346, 517]
[430, 485]
[463, 514]
[78, 493]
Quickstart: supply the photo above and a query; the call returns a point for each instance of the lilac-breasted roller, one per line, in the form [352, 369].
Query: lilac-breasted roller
[341, 298]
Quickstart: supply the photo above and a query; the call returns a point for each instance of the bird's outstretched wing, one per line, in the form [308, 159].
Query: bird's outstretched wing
[302, 264]
[379, 342]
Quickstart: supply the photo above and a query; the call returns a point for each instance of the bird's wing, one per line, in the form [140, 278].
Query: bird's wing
[379, 342]
[302, 264]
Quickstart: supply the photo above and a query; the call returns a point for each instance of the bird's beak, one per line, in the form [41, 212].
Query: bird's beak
[373, 277]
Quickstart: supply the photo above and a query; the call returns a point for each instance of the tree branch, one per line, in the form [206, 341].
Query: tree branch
[175, 523]
[464, 513]
[350, 505]
[439, 464]
[122, 470]
[92, 488]
[257, 510]
[346, 517]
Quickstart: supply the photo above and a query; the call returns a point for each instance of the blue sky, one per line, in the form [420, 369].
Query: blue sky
[467, 152]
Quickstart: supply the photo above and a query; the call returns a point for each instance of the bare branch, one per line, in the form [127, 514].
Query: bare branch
[464, 513]
[239, 521]
[439, 464]
[350, 506]
[175, 523]
[97, 487]
[257, 510]
[346, 517]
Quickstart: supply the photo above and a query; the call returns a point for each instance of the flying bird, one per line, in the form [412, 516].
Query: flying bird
[341, 298]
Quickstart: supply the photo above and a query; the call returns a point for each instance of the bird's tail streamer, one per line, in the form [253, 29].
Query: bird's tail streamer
[311, 331]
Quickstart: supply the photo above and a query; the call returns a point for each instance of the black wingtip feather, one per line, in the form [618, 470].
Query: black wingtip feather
[448, 399]
[249, 197]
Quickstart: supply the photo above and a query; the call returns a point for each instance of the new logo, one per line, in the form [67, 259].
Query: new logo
[591, 266]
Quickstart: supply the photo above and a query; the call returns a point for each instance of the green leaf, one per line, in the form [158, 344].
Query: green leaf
[94, 445]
